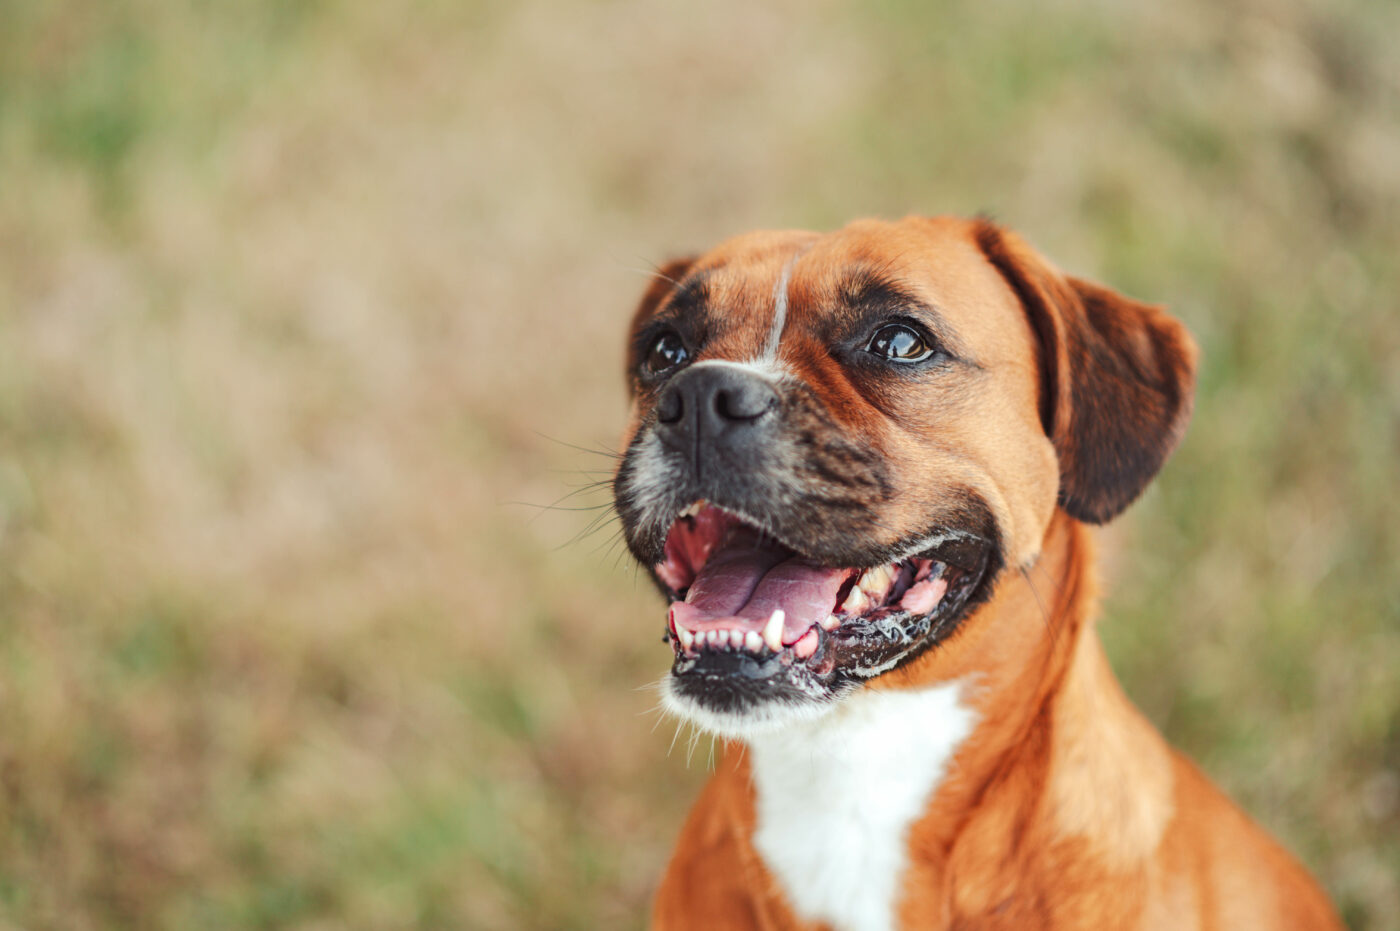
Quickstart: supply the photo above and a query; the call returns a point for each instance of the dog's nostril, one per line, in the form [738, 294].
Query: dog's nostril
[670, 407]
[742, 404]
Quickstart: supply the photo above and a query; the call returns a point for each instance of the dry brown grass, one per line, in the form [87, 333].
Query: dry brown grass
[298, 305]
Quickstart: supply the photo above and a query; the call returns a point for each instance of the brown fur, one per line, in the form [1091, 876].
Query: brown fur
[1064, 808]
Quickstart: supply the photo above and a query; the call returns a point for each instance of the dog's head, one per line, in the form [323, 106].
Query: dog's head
[836, 443]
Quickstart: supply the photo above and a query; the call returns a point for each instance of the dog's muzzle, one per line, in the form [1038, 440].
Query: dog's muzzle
[784, 588]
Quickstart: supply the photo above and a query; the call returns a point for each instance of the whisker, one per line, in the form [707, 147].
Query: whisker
[592, 451]
[653, 272]
[598, 522]
[555, 504]
[679, 724]
[557, 507]
[572, 471]
[617, 550]
[604, 546]
[1044, 614]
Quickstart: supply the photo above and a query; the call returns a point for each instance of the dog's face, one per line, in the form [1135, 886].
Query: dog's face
[837, 442]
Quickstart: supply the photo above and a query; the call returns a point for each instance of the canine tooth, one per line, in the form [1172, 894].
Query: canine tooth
[856, 602]
[687, 638]
[830, 622]
[752, 641]
[694, 509]
[773, 630]
[875, 582]
[736, 638]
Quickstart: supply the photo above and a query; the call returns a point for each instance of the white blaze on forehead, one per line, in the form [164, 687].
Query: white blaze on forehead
[780, 308]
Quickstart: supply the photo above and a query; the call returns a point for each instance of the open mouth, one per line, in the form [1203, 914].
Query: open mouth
[751, 619]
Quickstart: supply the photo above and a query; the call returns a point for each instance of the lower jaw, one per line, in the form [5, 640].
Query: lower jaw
[737, 682]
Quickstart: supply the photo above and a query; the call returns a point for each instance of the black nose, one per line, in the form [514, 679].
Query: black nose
[715, 410]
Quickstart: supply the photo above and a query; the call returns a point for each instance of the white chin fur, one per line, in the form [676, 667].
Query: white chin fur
[767, 718]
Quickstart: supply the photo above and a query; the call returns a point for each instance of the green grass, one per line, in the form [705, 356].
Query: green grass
[300, 305]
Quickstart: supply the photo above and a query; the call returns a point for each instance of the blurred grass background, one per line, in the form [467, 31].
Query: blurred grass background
[301, 305]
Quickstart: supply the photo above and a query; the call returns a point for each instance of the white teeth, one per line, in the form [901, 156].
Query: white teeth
[856, 602]
[875, 582]
[830, 622]
[739, 639]
[773, 630]
[694, 509]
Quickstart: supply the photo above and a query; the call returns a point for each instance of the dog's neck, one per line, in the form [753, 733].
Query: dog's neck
[840, 802]
[834, 798]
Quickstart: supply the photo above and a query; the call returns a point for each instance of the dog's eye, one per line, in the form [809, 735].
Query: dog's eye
[899, 343]
[667, 352]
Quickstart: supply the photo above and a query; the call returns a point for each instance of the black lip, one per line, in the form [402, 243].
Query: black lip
[737, 681]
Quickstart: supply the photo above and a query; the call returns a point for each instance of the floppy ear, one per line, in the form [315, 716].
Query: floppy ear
[663, 281]
[1117, 378]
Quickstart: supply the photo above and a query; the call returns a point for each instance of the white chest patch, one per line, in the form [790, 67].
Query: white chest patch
[835, 798]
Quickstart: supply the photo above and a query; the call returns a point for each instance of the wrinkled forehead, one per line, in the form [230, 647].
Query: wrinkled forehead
[739, 292]
[757, 294]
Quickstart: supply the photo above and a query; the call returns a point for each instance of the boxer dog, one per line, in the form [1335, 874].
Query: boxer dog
[860, 467]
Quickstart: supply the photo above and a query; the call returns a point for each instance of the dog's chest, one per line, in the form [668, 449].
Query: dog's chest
[835, 799]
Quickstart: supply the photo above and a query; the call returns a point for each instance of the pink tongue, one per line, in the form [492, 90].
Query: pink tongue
[741, 585]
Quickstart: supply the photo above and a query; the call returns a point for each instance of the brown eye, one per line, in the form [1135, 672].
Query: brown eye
[899, 343]
[667, 352]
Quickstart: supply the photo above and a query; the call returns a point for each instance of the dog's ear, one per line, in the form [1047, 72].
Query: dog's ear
[1117, 378]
